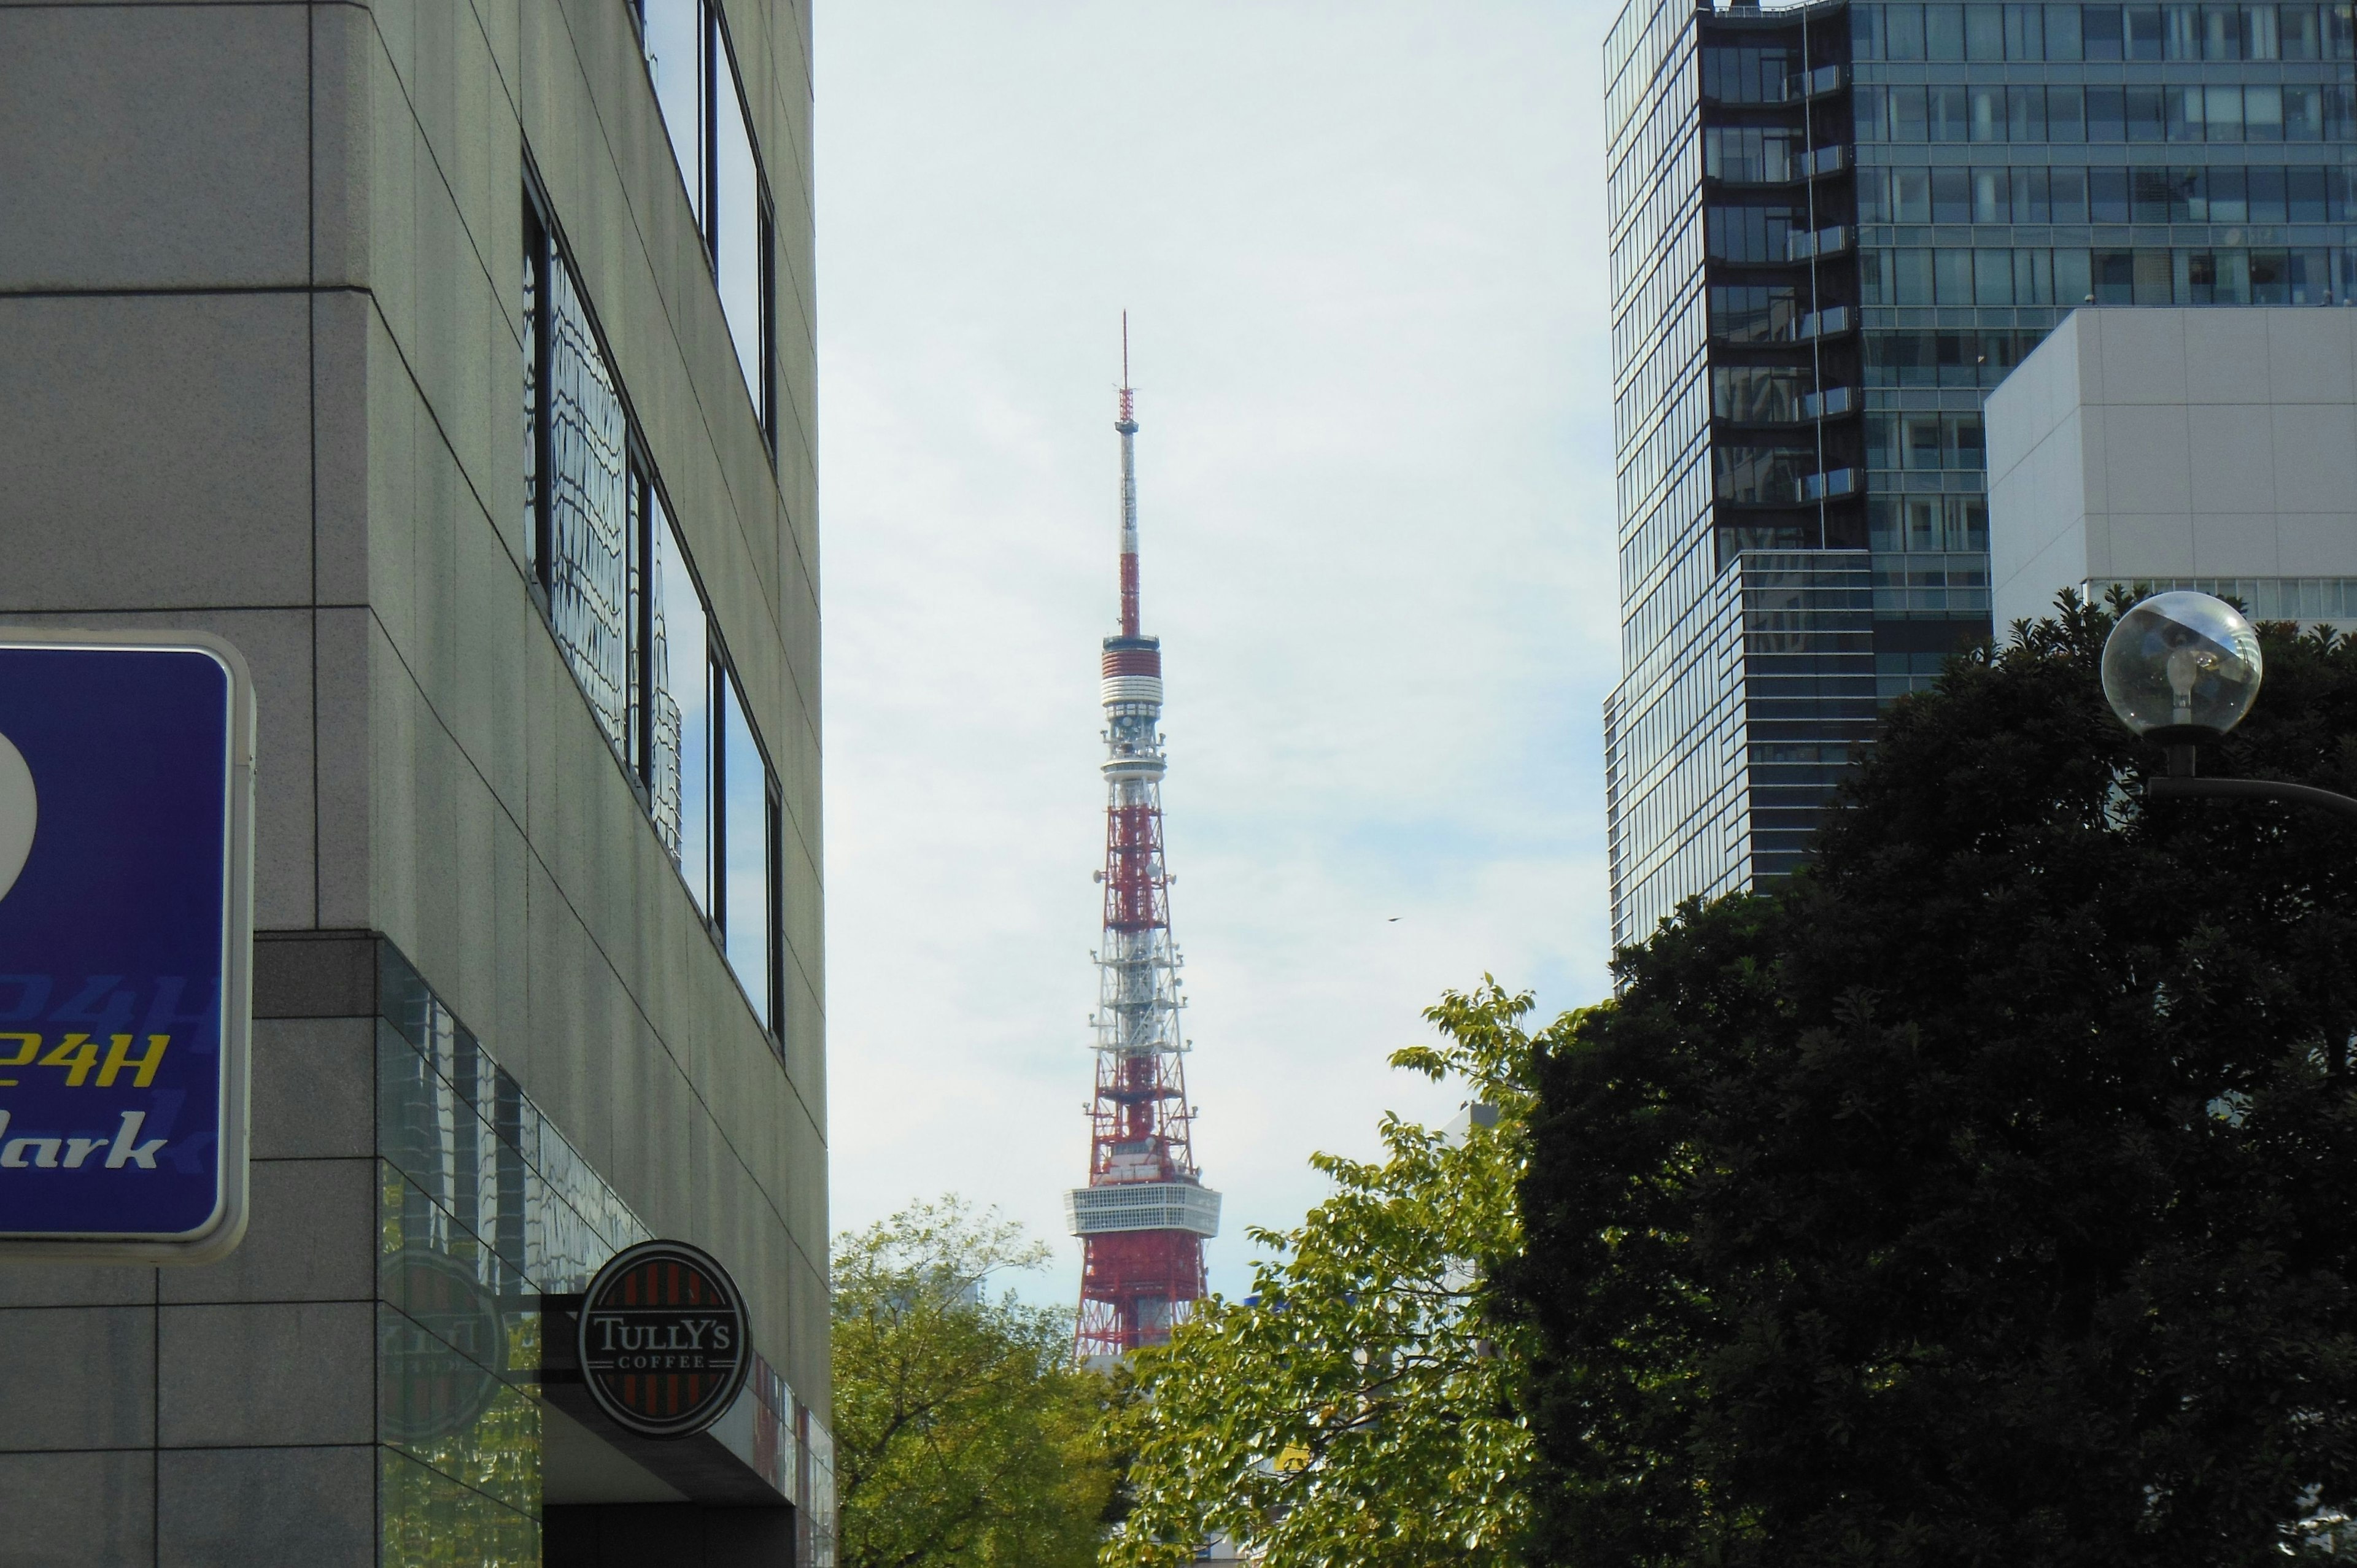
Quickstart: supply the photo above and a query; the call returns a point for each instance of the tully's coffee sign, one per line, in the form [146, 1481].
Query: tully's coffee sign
[663, 1340]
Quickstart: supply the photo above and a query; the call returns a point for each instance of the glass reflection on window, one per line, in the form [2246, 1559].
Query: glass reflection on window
[587, 502]
[628, 615]
[535, 252]
[745, 842]
[676, 42]
[680, 789]
[738, 239]
[704, 116]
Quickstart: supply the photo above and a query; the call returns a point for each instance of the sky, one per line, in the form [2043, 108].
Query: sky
[1361, 247]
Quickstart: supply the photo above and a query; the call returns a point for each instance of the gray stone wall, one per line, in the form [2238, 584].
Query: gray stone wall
[260, 374]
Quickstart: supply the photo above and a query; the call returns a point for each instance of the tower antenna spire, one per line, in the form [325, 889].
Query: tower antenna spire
[1126, 422]
[1145, 1214]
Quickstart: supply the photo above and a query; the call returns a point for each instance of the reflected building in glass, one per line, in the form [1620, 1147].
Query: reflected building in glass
[1833, 228]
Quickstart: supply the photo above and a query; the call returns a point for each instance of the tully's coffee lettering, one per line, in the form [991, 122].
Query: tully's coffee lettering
[686, 1344]
[663, 1340]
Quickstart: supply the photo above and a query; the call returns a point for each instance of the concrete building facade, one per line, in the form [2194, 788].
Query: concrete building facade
[1834, 227]
[2165, 448]
[456, 363]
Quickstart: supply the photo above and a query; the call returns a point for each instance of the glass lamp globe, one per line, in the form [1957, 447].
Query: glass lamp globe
[2181, 667]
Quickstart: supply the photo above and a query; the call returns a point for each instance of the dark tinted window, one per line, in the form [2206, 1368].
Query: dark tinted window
[2107, 195]
[2104, 39]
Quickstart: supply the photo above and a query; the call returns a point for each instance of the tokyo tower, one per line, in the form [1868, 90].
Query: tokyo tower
[1145, 1214]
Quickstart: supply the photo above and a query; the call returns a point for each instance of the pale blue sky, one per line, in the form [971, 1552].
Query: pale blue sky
[1361, 247]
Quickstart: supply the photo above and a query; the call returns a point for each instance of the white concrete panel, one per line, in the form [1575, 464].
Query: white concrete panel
[2144, 355]
[2316, 543]
[2068, 475]
[2236, 544]
[2315, 456]
[2017, 497]
[2208, 442]
[2044, 496]
[2078, 338]
[2225, 362]
[2152, 544]
[2027, 591]
[2231, 460]
[2146, 464]
[2094, 445]
[2309, 355]
[2019, 415]
[2060, 364]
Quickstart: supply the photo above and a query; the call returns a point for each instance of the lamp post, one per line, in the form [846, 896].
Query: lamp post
[2182, 669]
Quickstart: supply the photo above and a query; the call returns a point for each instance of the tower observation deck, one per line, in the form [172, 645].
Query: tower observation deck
[1144, 1213]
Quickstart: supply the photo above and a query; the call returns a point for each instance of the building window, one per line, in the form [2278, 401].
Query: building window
[679, 777]
[622, 600]
[578, 483]
[710, 788]
[745, 857]
[703, 103]
[1754, 313]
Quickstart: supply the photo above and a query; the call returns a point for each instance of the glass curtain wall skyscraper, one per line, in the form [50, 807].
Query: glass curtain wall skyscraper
[1833, 228]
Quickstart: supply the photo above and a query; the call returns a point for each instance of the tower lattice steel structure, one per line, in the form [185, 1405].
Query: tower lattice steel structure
[1145, 1214]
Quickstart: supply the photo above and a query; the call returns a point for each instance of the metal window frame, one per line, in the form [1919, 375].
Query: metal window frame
[545, 237]
[718, 50]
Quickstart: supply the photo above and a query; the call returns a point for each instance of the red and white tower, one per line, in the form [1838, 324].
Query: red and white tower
[1145, 1214]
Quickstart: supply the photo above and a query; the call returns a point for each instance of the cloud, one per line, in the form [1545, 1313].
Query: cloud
[1362, 250]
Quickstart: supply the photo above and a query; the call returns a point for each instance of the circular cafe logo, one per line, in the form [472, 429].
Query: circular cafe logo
[663, 1340]
[440, 1354]
[20, 808]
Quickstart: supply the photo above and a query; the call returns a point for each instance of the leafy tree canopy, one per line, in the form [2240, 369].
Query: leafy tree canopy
[963, 1435]
[1353, 1411]
[1987, 1194]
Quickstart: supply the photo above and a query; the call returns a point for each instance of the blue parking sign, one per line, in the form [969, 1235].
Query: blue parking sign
[126, 934]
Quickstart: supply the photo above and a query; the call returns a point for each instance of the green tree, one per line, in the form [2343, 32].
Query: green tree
[1987, 1195]
[964, 1434]
[1353, 1411]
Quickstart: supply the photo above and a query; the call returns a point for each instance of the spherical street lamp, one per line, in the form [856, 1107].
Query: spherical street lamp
[2180, 670]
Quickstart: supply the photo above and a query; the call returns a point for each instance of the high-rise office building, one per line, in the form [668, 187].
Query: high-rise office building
[1833, 228]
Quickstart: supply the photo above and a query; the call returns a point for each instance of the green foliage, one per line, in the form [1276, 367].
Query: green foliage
[1987, 1195]
[962, 1433]
[1354, 1412]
